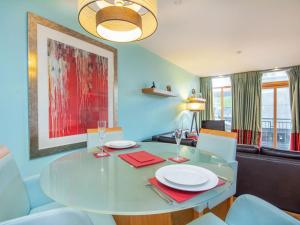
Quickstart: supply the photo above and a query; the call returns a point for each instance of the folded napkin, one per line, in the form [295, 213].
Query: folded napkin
[141, 158]
[178, 195]
[118, 149]
[180, 160]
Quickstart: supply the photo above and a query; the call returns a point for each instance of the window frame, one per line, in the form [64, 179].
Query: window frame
[275, 85]
[222, 100]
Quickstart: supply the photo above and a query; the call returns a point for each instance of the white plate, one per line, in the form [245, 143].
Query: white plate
[211, 183]
[185, 176]
[120, 144]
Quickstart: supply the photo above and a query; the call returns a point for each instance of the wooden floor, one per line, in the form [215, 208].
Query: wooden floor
[178, 218]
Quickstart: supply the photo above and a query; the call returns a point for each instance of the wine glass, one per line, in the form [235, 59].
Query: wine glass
[178, 136]
[101, 133]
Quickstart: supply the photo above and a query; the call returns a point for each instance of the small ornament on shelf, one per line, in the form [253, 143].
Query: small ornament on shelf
[169, 88]
[153, 85]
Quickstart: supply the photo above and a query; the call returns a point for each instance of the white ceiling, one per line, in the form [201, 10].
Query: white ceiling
[215, 37]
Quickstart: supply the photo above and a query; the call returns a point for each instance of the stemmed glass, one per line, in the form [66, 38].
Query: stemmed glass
[178, 137]
[102, 134]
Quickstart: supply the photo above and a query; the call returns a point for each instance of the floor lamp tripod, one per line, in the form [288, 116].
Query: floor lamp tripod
[195, 105]
[196, 123]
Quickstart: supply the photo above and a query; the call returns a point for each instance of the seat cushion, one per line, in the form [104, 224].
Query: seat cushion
[63, 216]
[251, 210]
[213, 124]
[46, 207]
[171, 140]
[279, 153]
[208, 219]
[97, 219]
[247, 148]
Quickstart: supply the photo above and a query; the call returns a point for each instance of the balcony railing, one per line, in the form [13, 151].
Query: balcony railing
[284, 127]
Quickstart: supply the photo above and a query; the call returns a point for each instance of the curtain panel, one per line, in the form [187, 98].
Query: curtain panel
[246, 107]
[294, 86]
[207, 93]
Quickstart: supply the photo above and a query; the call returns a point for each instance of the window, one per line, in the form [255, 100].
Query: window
[276, 115]
[222, 100]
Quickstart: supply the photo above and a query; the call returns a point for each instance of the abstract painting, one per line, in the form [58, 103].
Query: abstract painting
[77, 89]
[72, 85]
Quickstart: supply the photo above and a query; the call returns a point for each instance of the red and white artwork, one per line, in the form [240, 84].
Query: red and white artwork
[78, 89]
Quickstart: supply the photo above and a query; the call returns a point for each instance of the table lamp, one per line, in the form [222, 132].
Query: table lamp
[195, 104]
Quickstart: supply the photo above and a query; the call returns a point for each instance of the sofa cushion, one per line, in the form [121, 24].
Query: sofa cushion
[275, 179]
[188, 142]
[248, 149]
[279, 153]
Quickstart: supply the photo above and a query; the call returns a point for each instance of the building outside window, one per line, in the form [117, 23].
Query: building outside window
[222, 100]
[276, 114]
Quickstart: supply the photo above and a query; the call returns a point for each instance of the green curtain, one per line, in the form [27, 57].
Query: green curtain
[246, 107]
[207, 93]
[294, 86]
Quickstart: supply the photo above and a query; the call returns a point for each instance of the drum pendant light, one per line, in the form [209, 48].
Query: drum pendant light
[118, 20]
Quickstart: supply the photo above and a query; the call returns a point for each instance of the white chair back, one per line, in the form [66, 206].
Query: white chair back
[112, 134]
[14, 201]
[220, 143]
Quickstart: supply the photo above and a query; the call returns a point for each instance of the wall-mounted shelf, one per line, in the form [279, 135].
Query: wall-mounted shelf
[155, 91]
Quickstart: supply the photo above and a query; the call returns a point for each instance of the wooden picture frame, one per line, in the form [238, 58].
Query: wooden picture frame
[45, 39]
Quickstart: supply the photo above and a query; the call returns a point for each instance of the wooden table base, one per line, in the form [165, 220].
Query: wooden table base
[176, 218]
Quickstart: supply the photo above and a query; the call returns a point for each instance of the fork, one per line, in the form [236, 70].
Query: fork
[165, 197]
[224, 179]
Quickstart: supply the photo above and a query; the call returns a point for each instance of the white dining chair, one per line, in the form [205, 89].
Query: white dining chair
[112, 134]
[249, 210]
[24, 200]
[222, 144]
[63, 216]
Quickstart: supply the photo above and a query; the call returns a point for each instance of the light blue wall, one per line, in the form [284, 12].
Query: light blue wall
[140, 115]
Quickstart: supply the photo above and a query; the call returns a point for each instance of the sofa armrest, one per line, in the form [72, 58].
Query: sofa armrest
[35, 193]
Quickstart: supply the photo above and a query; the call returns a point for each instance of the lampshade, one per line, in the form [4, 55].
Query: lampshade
[118, 20]
[195, 104]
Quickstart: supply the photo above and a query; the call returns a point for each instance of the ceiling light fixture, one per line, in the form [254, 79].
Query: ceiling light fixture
[118, 20]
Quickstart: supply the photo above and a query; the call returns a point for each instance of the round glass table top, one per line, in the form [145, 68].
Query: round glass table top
[110, 185]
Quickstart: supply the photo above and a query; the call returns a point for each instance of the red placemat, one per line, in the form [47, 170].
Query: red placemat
[152, 159]
[178, 195]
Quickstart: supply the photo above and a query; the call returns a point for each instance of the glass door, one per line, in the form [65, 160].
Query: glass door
[283, 121]
[267, 115]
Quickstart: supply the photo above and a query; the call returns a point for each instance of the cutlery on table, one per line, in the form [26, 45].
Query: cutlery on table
[224, 179]
[160, 193]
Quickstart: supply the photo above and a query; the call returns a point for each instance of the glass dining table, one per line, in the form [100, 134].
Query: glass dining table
[110, 185]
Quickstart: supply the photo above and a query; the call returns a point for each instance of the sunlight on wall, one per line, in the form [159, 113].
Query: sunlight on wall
[183, 120]
[184, 116]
